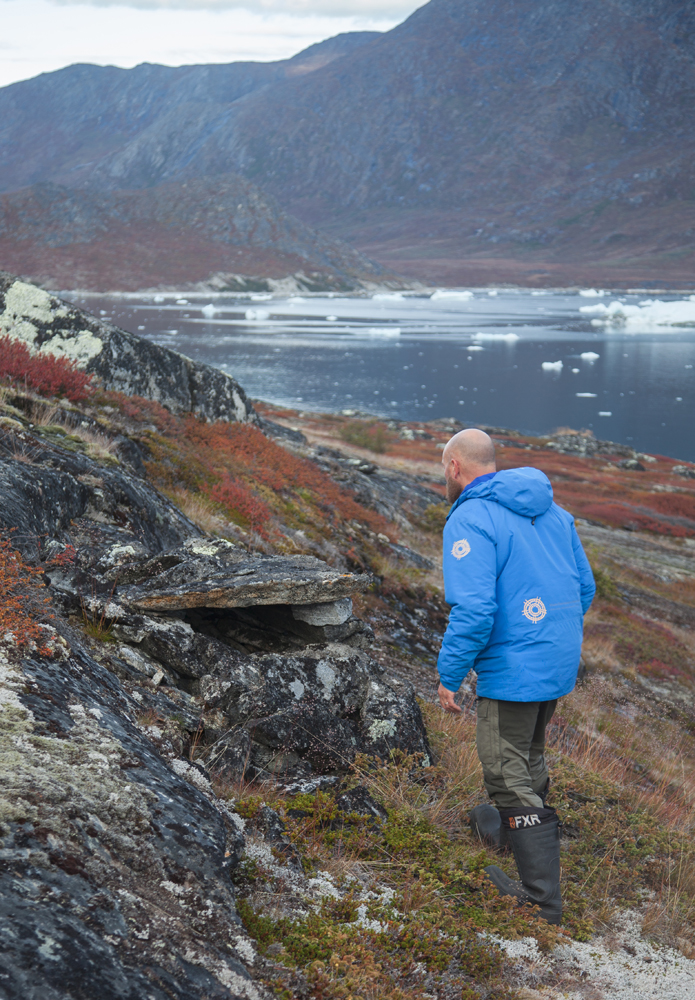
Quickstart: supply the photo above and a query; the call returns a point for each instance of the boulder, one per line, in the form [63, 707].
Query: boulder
[217, 574]
[120, 360]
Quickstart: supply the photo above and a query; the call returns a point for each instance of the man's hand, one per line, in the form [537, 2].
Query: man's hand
[446, 700]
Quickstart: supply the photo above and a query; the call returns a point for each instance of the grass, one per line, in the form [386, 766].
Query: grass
[371, 435]
[627, 843]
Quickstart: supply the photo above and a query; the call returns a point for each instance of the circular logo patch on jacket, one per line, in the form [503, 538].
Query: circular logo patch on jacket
[534, 609]
[460, 549]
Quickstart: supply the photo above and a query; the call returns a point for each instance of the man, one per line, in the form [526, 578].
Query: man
[519, 584]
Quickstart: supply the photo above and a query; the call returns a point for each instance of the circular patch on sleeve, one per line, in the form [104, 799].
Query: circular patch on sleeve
[534, 609]
[460, 548]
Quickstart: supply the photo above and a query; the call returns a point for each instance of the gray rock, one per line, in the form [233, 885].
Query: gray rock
[120, 360]
[632, 464]
[684, 470]
[216, 574]
[115, 864]
[331, 613]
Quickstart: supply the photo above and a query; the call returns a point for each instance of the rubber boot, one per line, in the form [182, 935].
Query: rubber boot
[534, 835]
[485, 823]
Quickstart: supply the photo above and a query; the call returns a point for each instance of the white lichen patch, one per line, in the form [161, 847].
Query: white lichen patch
[245, 950]
[382, 727]
[79, 347]
[621, 965]
[24, 301]
[192, 775]
[327, 676]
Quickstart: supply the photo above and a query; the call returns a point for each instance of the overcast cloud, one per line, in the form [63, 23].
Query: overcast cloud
[39, 36]
[329, 8]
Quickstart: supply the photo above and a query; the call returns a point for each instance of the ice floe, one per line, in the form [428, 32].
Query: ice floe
[451, 293]
[586, 395]
[645, 317]
[589, 356]
[383, 331]
[209, 310]
[509, 337]
[257, 314]
[552, 366]
[605, 413]
[592, 293]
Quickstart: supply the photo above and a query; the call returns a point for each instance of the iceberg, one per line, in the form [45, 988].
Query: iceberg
[552, 366]
[589, 356]
[451, 293]
[257, 314]
[645, 317]
[605, 413]
[209, 310]
[475, 347]
[592, 293]
[384, 331]
[586, 395]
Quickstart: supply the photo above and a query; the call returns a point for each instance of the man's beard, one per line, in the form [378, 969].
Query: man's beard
[453, 490]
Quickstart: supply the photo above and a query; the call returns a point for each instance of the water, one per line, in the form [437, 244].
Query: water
[478, 357]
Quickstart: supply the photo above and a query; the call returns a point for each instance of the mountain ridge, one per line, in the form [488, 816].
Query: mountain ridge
[517, 142]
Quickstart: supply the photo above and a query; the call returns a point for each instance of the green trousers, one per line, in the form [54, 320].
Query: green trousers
[510, 737]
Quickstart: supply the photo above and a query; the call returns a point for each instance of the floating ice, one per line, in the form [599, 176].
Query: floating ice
[605, 413]
[331, 319]
[592, 293]
[492, 293]
[509, 337]
[182, 302]
[451, 293]
[386, 296]
[266, 297]
[158, 298]
[208, 310]
[170, 331]
[257, 314]
[647, 316]
[475, 347]
[552, 366]
[384, 331]
[575, 371]
[585, 395]
[589, 356]
[292, 298]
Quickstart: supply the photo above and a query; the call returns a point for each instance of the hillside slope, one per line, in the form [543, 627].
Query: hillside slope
[216, 779]
[214, 230]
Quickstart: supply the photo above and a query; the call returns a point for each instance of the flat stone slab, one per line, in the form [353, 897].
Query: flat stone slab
[206, 573]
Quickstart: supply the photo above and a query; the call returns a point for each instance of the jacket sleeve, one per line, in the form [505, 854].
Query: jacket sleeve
[470, 581]
[586, 577]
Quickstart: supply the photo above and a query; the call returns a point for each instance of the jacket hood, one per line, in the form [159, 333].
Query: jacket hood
[525, 491]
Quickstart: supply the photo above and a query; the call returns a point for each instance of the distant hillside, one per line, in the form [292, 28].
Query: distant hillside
[479, 140]
[220, 230]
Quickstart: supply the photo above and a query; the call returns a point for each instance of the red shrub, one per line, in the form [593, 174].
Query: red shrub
[22, 603]
[44, 373]
[238, 499]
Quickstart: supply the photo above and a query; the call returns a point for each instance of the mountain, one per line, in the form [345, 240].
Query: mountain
[489, 139]
[213, 229]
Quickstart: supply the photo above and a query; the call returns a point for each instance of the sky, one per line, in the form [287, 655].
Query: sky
[38, 36]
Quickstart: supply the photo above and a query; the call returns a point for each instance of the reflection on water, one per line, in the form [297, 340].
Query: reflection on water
[528, 360]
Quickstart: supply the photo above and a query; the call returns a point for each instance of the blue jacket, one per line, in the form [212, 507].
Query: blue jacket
[519, 584]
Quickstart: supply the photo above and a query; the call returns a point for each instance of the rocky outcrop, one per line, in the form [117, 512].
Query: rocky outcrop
[115, 877]
[258, 651]
[119, 360]
[217, 574]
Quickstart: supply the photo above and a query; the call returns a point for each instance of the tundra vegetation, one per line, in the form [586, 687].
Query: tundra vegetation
[372, 886]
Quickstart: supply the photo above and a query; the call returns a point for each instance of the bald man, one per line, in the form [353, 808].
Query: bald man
[519, 585]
